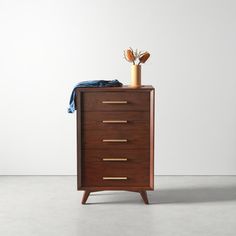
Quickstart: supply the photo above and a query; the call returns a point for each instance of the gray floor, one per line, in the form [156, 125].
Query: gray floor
[183, 205]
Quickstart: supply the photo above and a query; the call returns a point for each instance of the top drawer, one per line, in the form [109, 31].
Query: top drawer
[115, 101]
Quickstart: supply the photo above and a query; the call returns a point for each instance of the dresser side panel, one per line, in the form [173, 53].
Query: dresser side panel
[152, 134]
[79, 130]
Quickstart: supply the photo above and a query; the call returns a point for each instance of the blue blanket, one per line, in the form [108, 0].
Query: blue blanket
[93, 84]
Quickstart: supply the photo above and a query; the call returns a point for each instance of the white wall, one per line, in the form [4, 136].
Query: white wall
[47, 46]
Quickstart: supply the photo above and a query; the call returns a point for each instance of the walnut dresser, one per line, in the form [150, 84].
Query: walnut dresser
[115, 139]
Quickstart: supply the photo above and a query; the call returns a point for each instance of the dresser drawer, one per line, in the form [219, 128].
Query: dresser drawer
[116, 157]
[109, 174]
[115, 139]
[115, 120]
[116, 101]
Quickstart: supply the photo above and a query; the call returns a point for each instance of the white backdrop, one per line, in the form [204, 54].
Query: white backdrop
[48, 46]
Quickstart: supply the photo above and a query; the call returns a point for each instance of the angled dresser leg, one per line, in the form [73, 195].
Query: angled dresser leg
[144, 196]
[85, 196]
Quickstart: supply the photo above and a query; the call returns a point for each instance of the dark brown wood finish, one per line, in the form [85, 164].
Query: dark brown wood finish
[85, 196]
[152, 130]
[79, 146]
[144, 196]
[115, 101]
[115, 120]
[133, 155]
[142, 193]
[123, 128]
[98, 139]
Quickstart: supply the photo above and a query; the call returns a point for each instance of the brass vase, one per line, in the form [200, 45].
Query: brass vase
[135, 76]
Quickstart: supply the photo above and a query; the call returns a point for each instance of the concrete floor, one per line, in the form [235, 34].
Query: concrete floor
[183, 205]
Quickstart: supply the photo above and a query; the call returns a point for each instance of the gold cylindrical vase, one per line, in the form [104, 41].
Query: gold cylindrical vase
[136, 76]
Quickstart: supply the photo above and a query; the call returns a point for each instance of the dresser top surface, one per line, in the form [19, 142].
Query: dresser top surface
[123, 88]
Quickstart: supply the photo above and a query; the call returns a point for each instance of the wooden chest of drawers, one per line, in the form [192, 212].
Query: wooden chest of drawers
[115, 139]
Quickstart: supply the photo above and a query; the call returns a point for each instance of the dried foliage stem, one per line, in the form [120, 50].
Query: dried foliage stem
[132, 56]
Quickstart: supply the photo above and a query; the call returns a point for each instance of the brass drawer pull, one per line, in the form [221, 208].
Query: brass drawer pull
[114, 121]
[114, 102]
[114, 140]
[115, 159]
[114, 178]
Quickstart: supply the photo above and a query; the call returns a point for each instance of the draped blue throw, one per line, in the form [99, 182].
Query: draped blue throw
[89, 84]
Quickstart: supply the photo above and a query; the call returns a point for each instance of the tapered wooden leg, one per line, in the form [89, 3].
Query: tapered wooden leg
[144, 196]
[85, 196]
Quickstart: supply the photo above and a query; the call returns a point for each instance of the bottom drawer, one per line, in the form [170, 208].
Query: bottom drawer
[115, 178]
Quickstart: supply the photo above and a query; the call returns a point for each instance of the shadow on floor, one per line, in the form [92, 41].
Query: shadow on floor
[193, 195]
[183, 195]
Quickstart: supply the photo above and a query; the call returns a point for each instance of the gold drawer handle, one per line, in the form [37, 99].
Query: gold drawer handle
[114, 121]
[114, 178]
[114, 140]
[115, 159]
[114, 102]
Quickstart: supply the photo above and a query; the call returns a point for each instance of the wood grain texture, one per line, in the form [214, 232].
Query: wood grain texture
[124, 88]
[133, 155]
[79, 143]
[136, 168]
[93, 139]
[152, 130]
[93, 101]
[134, 120]
[135, 174]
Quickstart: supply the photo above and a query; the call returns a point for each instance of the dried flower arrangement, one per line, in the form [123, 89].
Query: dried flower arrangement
[136, 56]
